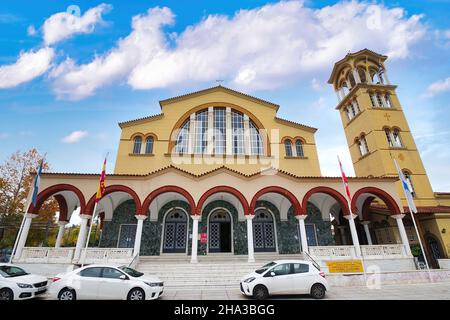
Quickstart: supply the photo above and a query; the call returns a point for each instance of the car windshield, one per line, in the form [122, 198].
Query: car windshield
[12, 271]
[131, 272]
[265, 267]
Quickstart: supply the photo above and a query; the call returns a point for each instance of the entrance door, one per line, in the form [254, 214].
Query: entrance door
[220, 232]
[126, 236]
[175, 232]
[263, 232]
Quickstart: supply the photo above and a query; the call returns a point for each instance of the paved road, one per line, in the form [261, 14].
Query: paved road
[434, 291]
[425, 291]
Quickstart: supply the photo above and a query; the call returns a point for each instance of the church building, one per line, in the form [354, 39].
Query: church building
[218, 172]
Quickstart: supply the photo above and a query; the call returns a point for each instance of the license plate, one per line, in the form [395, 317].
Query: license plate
[41, 291]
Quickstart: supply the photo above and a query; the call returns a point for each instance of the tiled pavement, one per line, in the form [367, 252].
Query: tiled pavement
[428, 291]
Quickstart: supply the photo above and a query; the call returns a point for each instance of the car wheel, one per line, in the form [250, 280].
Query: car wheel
[67, 294]
[6, 294]
[318, 291]
[260, 292]
[136, 294]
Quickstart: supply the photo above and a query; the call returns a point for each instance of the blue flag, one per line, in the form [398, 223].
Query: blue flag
[36, 183]
[407, 188]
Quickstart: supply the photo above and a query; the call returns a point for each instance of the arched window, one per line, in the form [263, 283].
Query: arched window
[393, 138]
[362, 75]
[362, 145]
[373, 100]
[182, 142]
[351, 80]
[387, 99]
[237, 126]
[217, 122]
[299, 148]
[407, 176]
[137, 145]
[256, 144]
[379, 100]
[149, 145]
[288, 147]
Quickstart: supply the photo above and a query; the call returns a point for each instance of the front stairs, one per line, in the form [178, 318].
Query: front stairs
[212, 272]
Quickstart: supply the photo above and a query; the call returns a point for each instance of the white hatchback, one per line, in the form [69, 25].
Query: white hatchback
[17, 284]
[285, 277]
[103, 282]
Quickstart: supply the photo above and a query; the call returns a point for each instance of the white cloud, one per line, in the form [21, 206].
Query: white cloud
[4, 135]
[28, 66]
[75, 136]
[63, 25]
[438, 87]
[261, 48]
[31, 30]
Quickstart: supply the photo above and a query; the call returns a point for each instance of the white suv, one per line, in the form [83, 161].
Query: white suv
[285, 277]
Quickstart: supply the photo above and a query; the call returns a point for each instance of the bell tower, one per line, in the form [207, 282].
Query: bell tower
[375, 125]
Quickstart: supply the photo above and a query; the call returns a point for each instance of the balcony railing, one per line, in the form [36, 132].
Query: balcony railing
[388, 251]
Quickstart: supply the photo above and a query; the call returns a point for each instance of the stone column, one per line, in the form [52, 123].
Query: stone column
[250, 245]
[342, 234]
[59, 238]
[138, 237]
[24, 234]
[338, 94]
[355, 240]
[366, 229]
[401, 229]
[195, 219]
[356, 76]
[301, 221]
[81, 240]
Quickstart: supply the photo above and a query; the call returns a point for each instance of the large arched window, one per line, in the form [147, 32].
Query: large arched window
[210, 133]
[288, 147]
[137, 145]
[149, 145]
[362, 75]
[299, 148]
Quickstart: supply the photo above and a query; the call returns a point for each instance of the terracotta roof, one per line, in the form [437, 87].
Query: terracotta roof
[153, 117]
[289, 122]
[215, 170]
[219, 87]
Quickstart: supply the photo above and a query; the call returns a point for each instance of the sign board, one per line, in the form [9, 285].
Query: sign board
[203, 238]
[345, 266]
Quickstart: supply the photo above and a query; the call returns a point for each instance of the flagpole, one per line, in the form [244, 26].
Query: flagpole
[350, 209]
[89, 234]
[19, 233]
[418, 236]
[97, 199]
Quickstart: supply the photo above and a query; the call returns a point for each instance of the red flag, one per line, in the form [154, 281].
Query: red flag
[102, 185]
[345, 182]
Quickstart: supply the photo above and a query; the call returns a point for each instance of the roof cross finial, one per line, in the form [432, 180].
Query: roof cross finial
[219, 81]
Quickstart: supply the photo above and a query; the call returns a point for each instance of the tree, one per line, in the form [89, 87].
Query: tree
[16, 180]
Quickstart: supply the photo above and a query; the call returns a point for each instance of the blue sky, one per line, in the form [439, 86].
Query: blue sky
[88, 77]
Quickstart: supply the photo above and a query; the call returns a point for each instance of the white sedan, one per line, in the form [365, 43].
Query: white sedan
[105, 282]
[285, 277]
[17, 284]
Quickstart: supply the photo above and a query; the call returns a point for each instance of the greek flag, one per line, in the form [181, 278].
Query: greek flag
[407, 188]
[36, 184]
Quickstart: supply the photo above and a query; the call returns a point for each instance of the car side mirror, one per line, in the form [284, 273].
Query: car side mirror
[123, 277]
[272, 274]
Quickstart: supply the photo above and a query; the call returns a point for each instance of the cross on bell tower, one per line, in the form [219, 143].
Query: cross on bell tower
[374, 123]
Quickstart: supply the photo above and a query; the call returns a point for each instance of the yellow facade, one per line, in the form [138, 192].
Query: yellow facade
[356, 78]
[175, 111]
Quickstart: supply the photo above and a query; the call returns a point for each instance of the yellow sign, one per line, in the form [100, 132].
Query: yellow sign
[345, 266]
